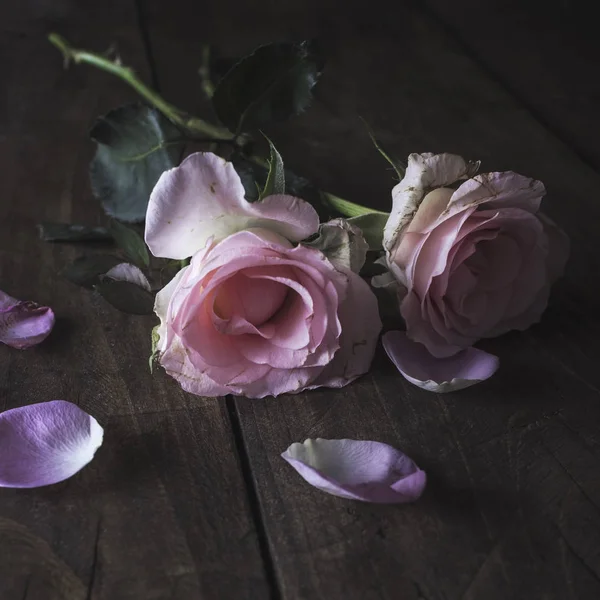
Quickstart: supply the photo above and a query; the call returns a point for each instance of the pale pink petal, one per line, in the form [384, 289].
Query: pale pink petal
[164, 307]
[498, 190]
[45, 443]
[275, 382]
[177, 364]
[23, 324]
[204, 198]
[130, 273]
[433, 256]
[197, 332]
[358, 470]
[249, 296]
[358, 337]
[414, 312]
[432, 206]
[424, 173]
[299, 327]
[463, 369]
[293, 218]
[496, 263]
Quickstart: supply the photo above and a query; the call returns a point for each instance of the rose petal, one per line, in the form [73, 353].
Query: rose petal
[498, 190]
[358, 337]
[175, 360]
[358, 470]
[45, 443]
[162, 305]
[130, 273]
[342, 243]
[23, 324]
[423, 173]
[204, 198]
[463, 369]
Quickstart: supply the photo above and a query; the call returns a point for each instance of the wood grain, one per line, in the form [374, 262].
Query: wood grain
[544, 53]
[162, 511]
[511, 510]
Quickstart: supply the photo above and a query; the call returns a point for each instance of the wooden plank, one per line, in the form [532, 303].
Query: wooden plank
[511, 510]
[545, 53]
[162, 511]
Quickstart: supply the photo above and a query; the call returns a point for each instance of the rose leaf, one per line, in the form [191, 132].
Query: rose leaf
[271, 84]
[275, 183]
[135, 145]
[131, 242]
[86, 270]
[126, 296]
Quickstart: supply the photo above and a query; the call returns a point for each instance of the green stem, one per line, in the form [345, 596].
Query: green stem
[347, 208]
[191, 125]
[208, 87]
[180, 118]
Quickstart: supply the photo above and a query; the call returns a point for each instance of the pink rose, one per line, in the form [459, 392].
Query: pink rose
[469, 262]
[253, 314]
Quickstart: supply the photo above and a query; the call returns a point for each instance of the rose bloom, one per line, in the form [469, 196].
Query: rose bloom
[472, 261]
[253, 314]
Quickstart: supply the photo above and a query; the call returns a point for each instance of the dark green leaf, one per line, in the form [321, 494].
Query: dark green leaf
[86, 270]
[66, 232]
[371, 225]
[131, 242]
[136, 144]
[213, 67]
[272, 84]
[275, 183]
[127, 297]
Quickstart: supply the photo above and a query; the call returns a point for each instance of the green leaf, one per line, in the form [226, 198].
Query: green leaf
[275, 183]
[136, 144]
[66, 232]
[372, 226]
[87, 270]
[131, 242]
[154, 353]
[396, 164]
[127, 297]
[272, 84]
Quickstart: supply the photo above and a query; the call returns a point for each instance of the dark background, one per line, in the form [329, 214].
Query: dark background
[188, 498]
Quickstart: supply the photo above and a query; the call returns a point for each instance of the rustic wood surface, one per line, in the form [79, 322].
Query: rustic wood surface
[188, 498]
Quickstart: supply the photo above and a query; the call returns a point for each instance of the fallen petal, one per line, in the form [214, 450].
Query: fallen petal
[23, 324]
[45, 443]
[131, 274]
[358, 470]
[414, 361]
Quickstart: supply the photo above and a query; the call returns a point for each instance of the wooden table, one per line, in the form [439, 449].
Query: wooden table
[188, 498]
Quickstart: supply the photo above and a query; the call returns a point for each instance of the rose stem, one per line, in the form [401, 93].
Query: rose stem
[191, 124]
[177, 116]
